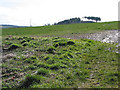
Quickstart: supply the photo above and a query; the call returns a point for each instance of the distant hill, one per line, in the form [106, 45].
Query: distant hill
[10, 26]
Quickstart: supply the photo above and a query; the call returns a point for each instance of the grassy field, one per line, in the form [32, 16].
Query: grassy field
[56, 62]
[69, 29]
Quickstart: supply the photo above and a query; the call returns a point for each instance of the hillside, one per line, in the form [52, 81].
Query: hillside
[55, 30]
[39, 57]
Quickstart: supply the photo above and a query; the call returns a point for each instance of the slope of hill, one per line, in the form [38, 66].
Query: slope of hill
[37, 57]
[57, 30]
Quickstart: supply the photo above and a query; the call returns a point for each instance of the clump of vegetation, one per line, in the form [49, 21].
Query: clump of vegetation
[25, 44]
[23, 41]
[8, 43]
[29, 80]
[57, 66]
[42, 65]
[32, 67]
[62, 43]
[70, 43]
[51, 49]
[27, 39]
[32, 59]
[43, 72]
[46, 57]
[59, 63]
[14, 46]
[13, 70]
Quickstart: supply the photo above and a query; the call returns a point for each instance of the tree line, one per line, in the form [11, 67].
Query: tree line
[77, 20]
[69, 21]
[93, 18]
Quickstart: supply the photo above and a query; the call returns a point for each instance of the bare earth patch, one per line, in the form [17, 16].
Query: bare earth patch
[108, 36]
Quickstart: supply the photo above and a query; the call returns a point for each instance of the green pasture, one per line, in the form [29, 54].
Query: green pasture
[68, 29]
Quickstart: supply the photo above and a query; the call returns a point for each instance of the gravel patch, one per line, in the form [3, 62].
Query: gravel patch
[108, 36]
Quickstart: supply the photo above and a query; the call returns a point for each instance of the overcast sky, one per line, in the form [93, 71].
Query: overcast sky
[19, 12]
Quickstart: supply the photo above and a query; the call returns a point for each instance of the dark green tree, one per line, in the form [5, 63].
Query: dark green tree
[69, 21]
[93, 18]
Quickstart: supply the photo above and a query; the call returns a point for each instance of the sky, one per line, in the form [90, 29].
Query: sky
[41, 12]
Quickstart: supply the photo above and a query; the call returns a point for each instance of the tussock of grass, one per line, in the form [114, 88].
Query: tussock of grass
[43, 71]
[14, 46]
[30, 79]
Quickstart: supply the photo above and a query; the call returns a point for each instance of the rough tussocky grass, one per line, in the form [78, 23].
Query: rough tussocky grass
[58, 63]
